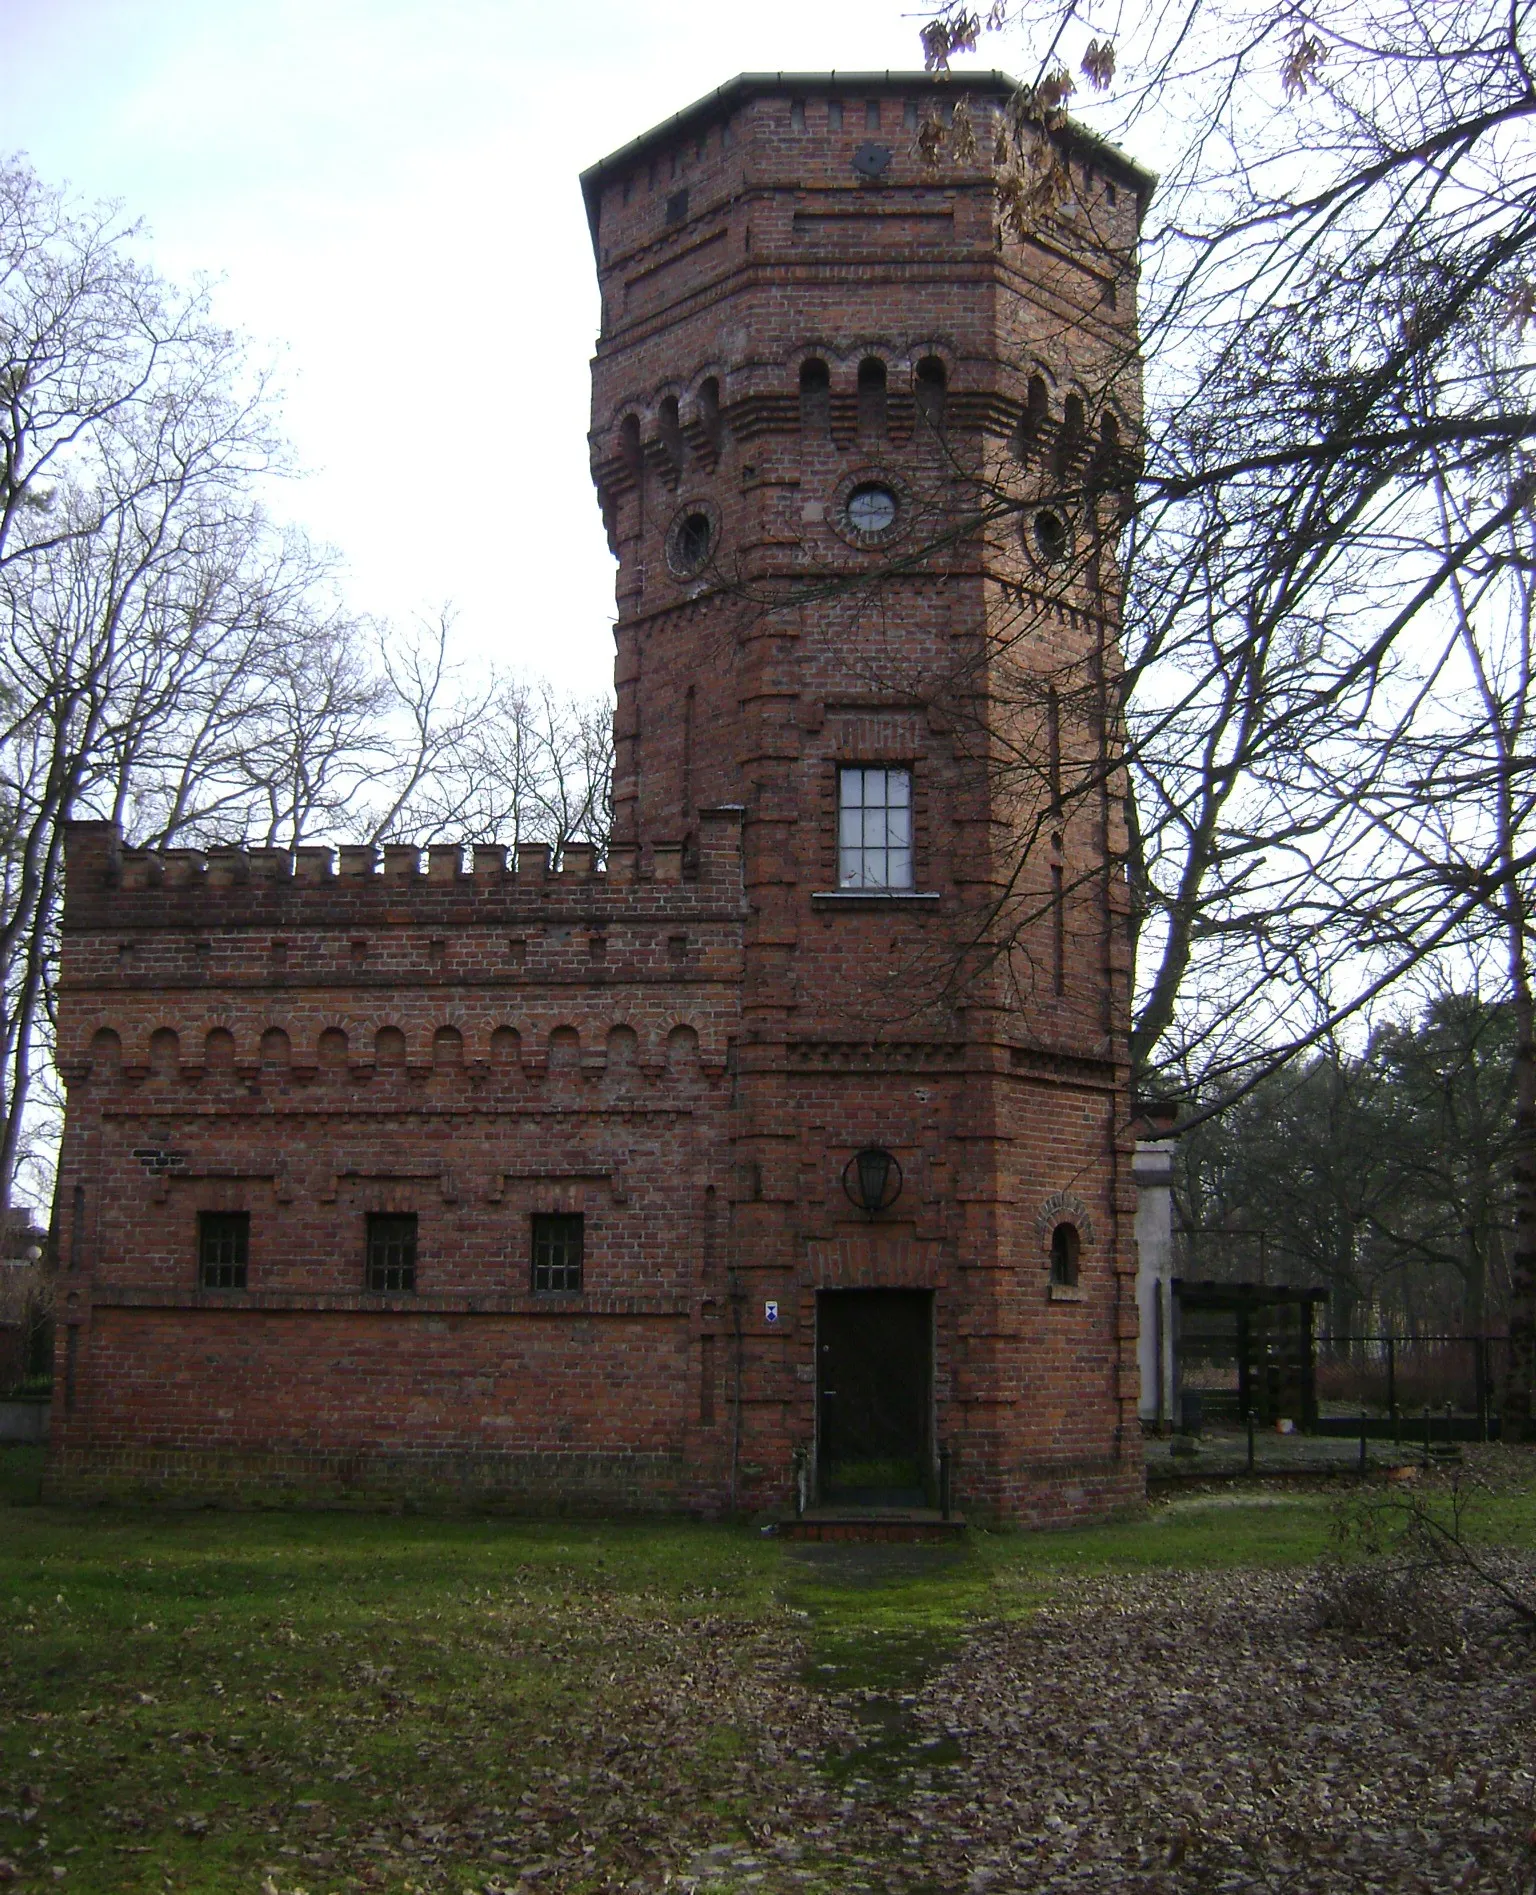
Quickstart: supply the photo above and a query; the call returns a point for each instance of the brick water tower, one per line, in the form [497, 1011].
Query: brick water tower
[783, 1148]
[857, 444]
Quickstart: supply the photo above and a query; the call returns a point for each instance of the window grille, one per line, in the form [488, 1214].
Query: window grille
[874, 836]
[223, 1248]
[557, 1247]
[391, 1251]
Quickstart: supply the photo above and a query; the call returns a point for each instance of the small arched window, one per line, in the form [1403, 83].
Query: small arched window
[709, 411]
[1037, 409]
[565, 1050]
[1070, 440]
[1066, 1248]
[623, 1051]
[629, 442]
[815, 396]
[106, 1054]
[872, 396]
[389, 1047]
[1106, 453]
[671, 430]
[929, 383]
[682, 1052]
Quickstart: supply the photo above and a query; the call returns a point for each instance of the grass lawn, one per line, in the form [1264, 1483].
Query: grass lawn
[214, 1701]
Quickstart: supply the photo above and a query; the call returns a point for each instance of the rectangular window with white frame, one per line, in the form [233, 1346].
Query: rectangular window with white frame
[874, 827]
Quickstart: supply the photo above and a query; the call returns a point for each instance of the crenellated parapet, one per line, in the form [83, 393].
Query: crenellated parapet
[111, 885]
[471, 965]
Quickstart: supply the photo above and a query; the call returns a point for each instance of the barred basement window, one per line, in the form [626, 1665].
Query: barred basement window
[874, 828]
[223, 1248]
[391, 1251]
[557, 1247]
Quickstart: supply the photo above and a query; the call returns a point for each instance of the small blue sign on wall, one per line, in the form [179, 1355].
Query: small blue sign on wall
[771, 1311]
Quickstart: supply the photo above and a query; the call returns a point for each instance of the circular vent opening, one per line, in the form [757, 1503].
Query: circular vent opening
[1052, 537]
[690, 543]
[871, 508]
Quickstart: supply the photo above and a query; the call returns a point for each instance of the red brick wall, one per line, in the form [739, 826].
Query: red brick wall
[997, 1092]
[711, 1183]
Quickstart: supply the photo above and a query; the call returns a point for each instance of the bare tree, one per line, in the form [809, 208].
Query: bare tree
[167, 658]
[1453, 789]
[504, 760]
[171, 660]
[1322, 700]
[1346, 209]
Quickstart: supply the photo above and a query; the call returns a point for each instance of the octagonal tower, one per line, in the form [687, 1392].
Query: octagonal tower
[857, 446]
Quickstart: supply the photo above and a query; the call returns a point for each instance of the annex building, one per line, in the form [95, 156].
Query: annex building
[790, 1139]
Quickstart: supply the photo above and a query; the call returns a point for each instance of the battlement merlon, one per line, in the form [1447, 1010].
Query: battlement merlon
[106, 881]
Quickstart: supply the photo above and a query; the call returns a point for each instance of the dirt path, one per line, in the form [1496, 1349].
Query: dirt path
[1182, 1732]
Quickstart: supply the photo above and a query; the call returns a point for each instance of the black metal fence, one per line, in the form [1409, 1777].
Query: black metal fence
[1445, 1387]
[1447, 1384]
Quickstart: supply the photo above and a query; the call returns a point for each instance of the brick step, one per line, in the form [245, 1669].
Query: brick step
[870, 1523]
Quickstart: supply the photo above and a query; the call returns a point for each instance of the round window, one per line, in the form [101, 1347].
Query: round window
[691, 541]
[1051, 535]
[871, 508]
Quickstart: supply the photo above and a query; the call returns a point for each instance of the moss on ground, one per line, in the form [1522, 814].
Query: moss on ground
[194, 1700]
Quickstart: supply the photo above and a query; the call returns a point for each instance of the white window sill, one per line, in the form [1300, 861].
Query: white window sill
[1068, 1293]
[880, 897]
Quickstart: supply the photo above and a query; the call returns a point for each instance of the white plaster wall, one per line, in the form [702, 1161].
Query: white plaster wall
[1152, 1169]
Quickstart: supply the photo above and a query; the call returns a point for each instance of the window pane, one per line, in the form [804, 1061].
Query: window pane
[558, 1240]
[874, 831]
[223, 1239]
[391, 1251]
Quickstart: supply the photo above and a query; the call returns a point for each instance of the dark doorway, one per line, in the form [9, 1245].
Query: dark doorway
[874, 1358]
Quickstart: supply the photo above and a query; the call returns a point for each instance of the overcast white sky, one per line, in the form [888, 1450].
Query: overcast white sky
[388, 191]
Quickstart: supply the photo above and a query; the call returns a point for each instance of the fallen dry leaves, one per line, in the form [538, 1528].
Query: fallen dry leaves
[1151, 1734]
[1202, 1732]
[1154, 1734]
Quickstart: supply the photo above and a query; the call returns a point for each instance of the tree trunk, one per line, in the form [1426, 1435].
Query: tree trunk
[1520, 1380]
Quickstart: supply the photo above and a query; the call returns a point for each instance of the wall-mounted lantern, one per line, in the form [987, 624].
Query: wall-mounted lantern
[872, 1180]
